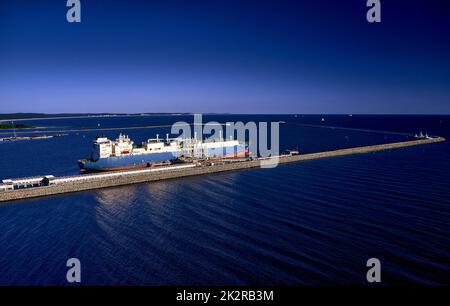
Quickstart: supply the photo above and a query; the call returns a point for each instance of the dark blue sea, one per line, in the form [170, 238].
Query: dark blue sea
[310, 223]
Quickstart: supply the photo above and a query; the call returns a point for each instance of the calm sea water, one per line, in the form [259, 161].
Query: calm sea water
[310, 223]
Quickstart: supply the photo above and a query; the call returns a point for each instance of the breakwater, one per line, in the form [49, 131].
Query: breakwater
[81, 183]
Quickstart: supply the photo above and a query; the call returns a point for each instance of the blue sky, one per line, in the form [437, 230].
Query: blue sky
[225, 56]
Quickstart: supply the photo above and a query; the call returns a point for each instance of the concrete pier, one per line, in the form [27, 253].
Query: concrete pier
[82, 182]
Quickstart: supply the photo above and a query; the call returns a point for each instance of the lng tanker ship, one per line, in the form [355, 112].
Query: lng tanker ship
[122, 154]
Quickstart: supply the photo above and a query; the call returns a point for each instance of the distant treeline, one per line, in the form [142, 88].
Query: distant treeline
[40, 115]
[17, 126]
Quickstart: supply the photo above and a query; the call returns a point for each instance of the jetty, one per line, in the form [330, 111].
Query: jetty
[23, 188]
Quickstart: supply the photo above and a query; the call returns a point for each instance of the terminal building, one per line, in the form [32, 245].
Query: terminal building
[29, 182]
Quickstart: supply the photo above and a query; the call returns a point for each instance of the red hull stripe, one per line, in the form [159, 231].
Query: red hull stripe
[116, 169]
[241, 154]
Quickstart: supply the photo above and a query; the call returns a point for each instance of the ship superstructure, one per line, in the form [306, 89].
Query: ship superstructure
[123, 154]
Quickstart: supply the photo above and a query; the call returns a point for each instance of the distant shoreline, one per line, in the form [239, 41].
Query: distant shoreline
[43, 116]
[10, 126]
[36, 116]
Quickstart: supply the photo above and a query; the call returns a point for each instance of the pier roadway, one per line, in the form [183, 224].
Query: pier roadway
[80, 182]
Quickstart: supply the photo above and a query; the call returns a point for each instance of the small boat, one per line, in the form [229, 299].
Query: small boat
[419, 136]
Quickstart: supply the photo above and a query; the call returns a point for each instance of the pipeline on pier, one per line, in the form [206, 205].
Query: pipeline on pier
[16, 189]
